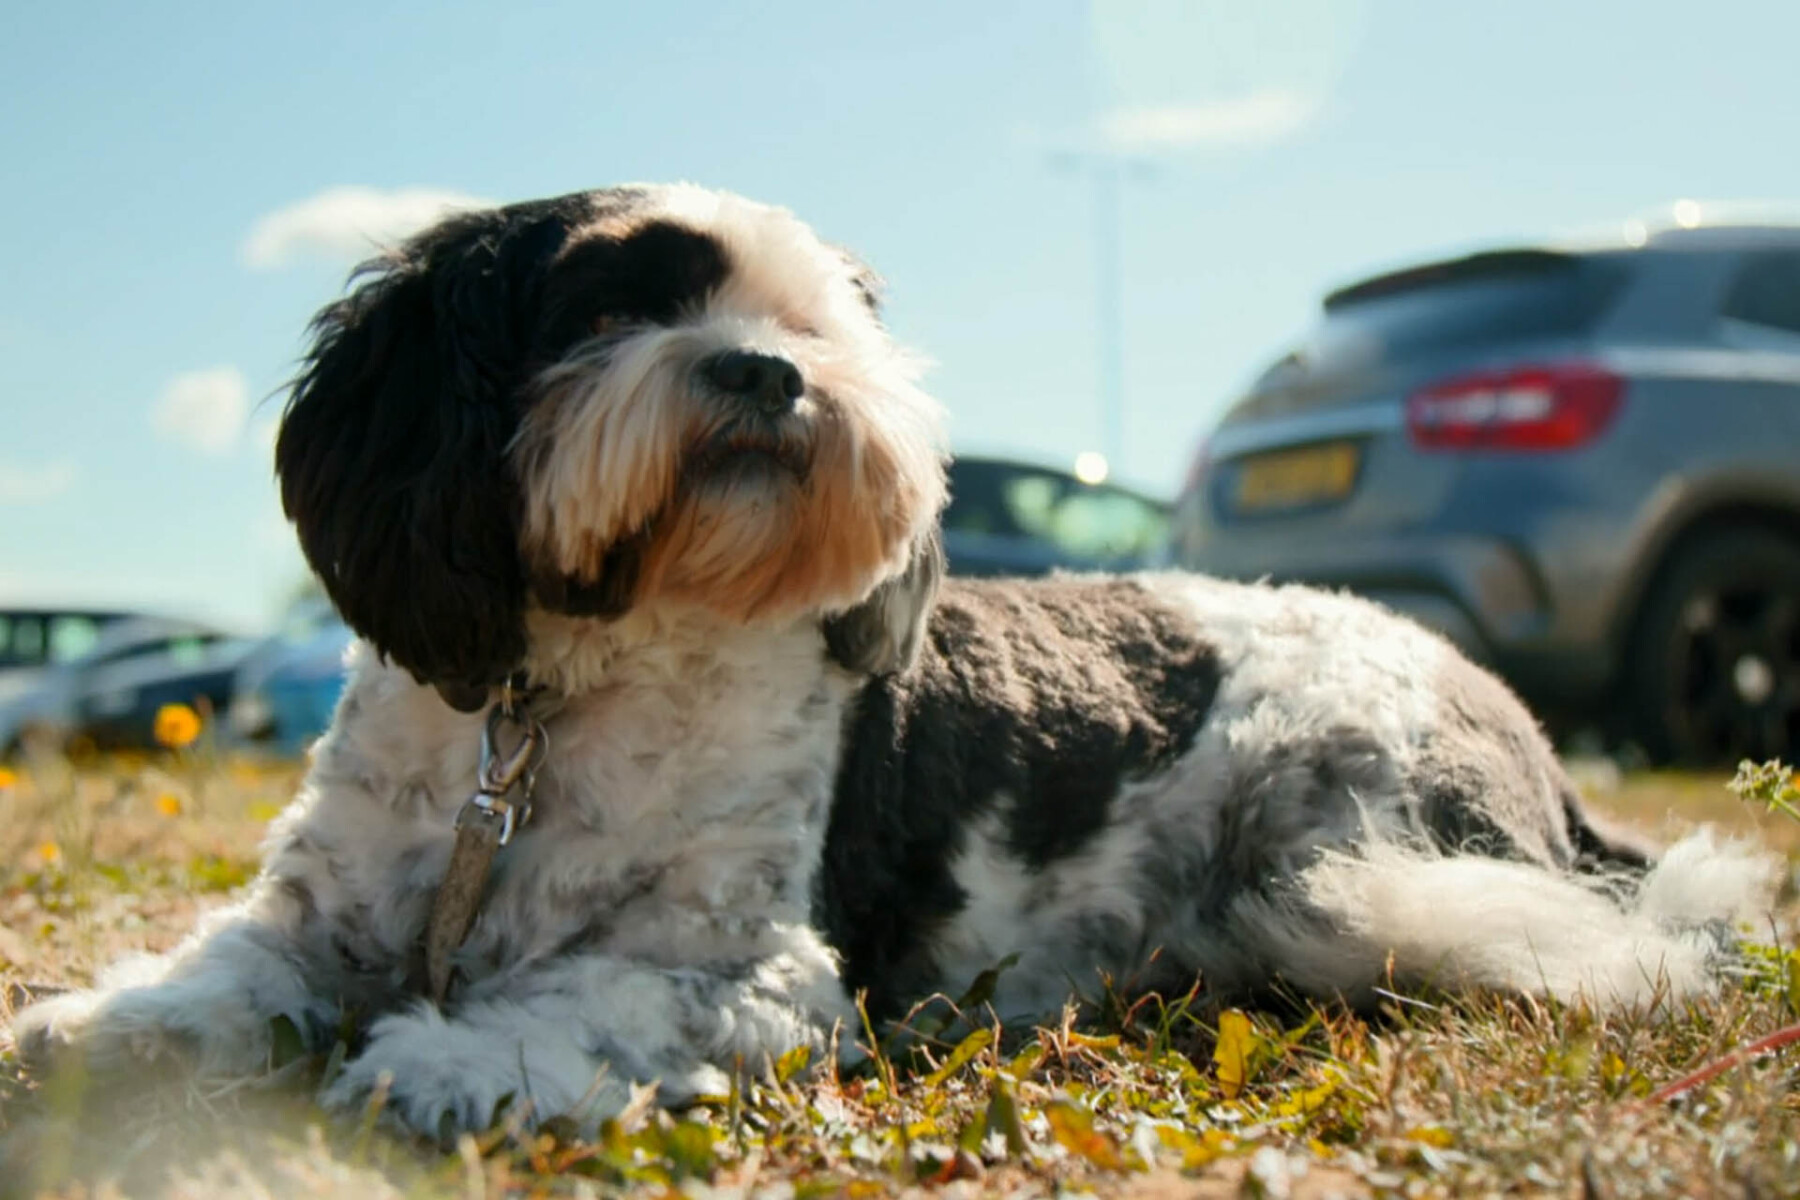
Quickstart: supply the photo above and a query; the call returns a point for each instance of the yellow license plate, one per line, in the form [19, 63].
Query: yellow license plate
[1297, 478]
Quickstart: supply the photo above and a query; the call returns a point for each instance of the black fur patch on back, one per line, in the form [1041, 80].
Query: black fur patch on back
[1040, 698]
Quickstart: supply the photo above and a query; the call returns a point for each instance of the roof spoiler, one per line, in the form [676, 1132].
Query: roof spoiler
[1486, 264]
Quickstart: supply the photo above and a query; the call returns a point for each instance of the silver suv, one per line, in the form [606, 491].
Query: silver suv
[1580, 463]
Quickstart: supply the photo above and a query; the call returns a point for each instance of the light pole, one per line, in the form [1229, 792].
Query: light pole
[1107, 170]
[1109, 306]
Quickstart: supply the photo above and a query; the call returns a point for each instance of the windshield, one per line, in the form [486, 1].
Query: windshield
[36, 639]
[1083, 521]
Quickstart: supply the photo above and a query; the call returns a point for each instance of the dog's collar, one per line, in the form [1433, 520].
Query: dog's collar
[473, 697]
[501, 804]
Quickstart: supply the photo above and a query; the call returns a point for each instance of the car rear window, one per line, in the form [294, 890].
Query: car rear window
[1767, 292]
[34, 639]
[1497, 296]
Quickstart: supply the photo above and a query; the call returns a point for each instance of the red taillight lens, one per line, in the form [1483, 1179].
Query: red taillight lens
[1556, 407]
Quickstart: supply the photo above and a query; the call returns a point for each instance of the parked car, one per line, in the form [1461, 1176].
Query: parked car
[288, 687]
[1582, 463]
[110, 693]
[117, 704]
[1008, 517]
[35, 640]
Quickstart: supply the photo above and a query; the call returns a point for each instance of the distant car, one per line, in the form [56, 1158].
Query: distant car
[288, 687]
[1581, 463]
[1008, 517]
[130, 662]
[116, 702]
[35, 640]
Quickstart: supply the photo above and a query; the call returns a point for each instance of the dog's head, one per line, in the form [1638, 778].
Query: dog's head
[643, 395]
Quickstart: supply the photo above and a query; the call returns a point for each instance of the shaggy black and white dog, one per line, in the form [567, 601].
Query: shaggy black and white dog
[650, 452]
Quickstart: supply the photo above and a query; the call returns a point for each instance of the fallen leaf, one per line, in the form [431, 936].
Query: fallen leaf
[1231, 1056]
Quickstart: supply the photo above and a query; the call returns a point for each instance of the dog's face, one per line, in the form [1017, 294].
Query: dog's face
[645, 395]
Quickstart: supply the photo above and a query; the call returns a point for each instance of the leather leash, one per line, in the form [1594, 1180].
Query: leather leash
[487, 821]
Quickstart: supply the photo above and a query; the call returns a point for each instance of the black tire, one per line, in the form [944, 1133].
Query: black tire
[1714, 668]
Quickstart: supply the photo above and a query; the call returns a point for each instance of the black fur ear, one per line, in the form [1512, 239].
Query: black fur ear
[884, 634]
[392, 452]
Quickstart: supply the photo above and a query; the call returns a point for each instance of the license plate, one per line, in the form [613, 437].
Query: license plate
[1298, 478]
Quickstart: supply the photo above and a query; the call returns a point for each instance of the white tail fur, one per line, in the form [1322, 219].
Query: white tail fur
[1465, 920]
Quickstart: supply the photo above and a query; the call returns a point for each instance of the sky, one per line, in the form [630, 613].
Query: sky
[186, 183]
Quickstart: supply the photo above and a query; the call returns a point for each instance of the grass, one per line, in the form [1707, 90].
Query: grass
[1437, 1096]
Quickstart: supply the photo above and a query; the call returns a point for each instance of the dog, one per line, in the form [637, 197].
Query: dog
[634, 487]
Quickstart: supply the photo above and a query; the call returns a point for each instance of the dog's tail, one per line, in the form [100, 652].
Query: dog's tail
[1620, 931]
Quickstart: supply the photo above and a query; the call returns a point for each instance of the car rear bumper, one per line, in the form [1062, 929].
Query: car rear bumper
[1480, 593]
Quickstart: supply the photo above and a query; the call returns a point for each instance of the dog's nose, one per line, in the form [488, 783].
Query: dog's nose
[770, 383]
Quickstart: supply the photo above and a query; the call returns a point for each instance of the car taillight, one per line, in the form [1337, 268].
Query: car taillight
[1555, 407]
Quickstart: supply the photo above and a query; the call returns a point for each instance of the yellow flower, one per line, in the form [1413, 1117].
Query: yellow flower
[50, 852]
[177, 726]
[169, 804]
[8, 778]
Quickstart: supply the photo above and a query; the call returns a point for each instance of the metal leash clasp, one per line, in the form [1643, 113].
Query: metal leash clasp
[504, 779]
[501, 774]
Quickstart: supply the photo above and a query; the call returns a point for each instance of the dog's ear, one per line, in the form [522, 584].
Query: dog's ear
[884, 634]
[392, 451]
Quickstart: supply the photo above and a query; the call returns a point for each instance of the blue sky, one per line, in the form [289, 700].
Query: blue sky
[175, 204]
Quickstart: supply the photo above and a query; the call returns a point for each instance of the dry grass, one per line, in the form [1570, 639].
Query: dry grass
[1438, 1097]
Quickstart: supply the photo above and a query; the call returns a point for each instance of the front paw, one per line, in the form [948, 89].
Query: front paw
[440, 1078]
[48, 1032]
[111, 1032]
[427, 1076]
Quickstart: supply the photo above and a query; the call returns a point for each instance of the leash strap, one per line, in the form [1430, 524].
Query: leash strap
[487, 821]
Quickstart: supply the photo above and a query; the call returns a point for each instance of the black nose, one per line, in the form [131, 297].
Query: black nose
[770, 383]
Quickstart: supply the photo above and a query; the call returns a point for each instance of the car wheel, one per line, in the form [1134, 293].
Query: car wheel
[1715, 663]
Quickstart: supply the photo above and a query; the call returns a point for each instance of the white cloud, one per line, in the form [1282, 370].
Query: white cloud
[345, 224]
[1212, 75]
[1256, 118]
[28, 485]
[205, 410]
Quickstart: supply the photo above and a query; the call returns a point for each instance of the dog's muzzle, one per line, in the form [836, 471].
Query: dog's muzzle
[759, 419]
[764, 383]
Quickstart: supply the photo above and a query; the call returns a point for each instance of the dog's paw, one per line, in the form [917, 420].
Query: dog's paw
[106, 1031]
[426, 1083]
[115, 1031]
[47, 1031]
[440, 1078]
[416, 1096]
